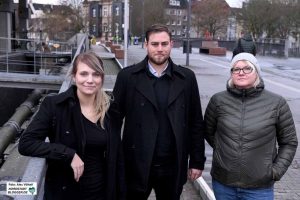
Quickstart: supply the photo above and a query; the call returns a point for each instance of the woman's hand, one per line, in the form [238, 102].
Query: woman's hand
[77, 166]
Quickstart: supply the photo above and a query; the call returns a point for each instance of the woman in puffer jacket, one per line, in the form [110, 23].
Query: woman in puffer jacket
[252, 133]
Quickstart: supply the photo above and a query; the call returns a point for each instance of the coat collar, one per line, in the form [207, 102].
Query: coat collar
[254, 91]
[68, 95]
[175, 69]
[145, 87]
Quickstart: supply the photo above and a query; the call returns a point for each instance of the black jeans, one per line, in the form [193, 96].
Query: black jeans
[162, 181]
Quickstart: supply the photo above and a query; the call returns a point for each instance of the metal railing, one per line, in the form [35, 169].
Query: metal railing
[31, 55]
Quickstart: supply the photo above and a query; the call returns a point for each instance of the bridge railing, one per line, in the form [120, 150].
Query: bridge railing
[32, 55]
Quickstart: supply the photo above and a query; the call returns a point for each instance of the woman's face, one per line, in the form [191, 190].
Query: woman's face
[243, 75]
[87, 80]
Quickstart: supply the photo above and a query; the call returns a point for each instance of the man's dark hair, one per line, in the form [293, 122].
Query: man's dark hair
[157, 28]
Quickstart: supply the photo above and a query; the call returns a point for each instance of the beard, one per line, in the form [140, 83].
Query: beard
[158, 60]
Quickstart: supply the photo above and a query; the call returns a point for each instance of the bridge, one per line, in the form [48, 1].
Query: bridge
[20, 168]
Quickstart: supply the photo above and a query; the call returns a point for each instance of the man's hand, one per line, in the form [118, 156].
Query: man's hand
[77, 166]
[193, 174]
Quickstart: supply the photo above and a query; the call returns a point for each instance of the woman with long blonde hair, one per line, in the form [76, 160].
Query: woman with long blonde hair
[83, 155]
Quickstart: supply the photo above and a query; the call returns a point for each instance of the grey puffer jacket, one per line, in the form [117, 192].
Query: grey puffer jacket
[244, 127]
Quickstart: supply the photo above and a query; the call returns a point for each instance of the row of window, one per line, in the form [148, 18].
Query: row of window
[178, 32]
[174, 3]
[174, 12]
[174, 23]
[105, 11]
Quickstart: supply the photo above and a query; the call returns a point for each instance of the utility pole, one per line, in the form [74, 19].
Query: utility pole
[126, 25]
[188, 33]
[143, 23]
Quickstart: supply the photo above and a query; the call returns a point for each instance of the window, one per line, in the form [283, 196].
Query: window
[178, 32]
[173, 32]
[117, 11]
[174, 3]
[178, 22]
[105, 11]
[94, 12]
[105, 28]
[94, 28]
[173, 22]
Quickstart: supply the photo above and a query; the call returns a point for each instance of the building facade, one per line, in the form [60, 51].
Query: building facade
[176, 17]
[106, 18]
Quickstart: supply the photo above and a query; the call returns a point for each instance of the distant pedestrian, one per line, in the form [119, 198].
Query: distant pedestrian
[245, 44]
[252, 133]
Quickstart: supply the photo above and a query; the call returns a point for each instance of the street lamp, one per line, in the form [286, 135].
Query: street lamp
[188, 33]
[117, 31]
[143, 23]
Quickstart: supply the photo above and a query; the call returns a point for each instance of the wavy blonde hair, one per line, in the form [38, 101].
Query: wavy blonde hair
[102, 100]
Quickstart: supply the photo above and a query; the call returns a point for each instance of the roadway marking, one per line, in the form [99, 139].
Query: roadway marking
[265, 79]
[282, 85]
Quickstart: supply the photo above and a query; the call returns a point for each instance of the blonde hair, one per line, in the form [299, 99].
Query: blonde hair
[102, 100]
[257, 81]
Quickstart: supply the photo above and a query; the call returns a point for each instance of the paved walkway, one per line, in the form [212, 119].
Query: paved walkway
[212, 73]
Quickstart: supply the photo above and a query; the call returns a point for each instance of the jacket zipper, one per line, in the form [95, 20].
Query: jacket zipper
[241, 131]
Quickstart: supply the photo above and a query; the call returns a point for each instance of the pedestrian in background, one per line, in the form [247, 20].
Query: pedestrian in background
[83, 155]
[163, 131]
[245, 44]
[252, 133]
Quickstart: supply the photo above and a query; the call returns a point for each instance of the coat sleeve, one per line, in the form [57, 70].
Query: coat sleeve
[117, 108]
[32, 141]
[197, 155]
[210, 121]
[287, 140]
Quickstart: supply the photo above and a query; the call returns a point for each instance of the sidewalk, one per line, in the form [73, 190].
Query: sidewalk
[212, 73]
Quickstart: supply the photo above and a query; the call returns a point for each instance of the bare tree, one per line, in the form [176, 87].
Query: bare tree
[149, 11]
[61, 20]
[253, 16]
[75, 4]
[211, 16]
[275, 18]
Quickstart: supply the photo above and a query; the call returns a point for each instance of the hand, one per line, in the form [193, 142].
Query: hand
[77, 166]
[193, 174]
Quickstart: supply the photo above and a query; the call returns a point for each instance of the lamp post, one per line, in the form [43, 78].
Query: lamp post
[188, 33]
[117, 31]
[126, 25]
[143, 22]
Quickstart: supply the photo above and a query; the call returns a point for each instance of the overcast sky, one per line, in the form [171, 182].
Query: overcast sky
[41, 1]
[235, 3]
[232, 3]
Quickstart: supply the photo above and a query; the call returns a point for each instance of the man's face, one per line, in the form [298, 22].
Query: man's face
[159, 48]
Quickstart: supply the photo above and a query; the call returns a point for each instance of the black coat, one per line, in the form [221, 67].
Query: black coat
[134, 99]
[59, 119]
